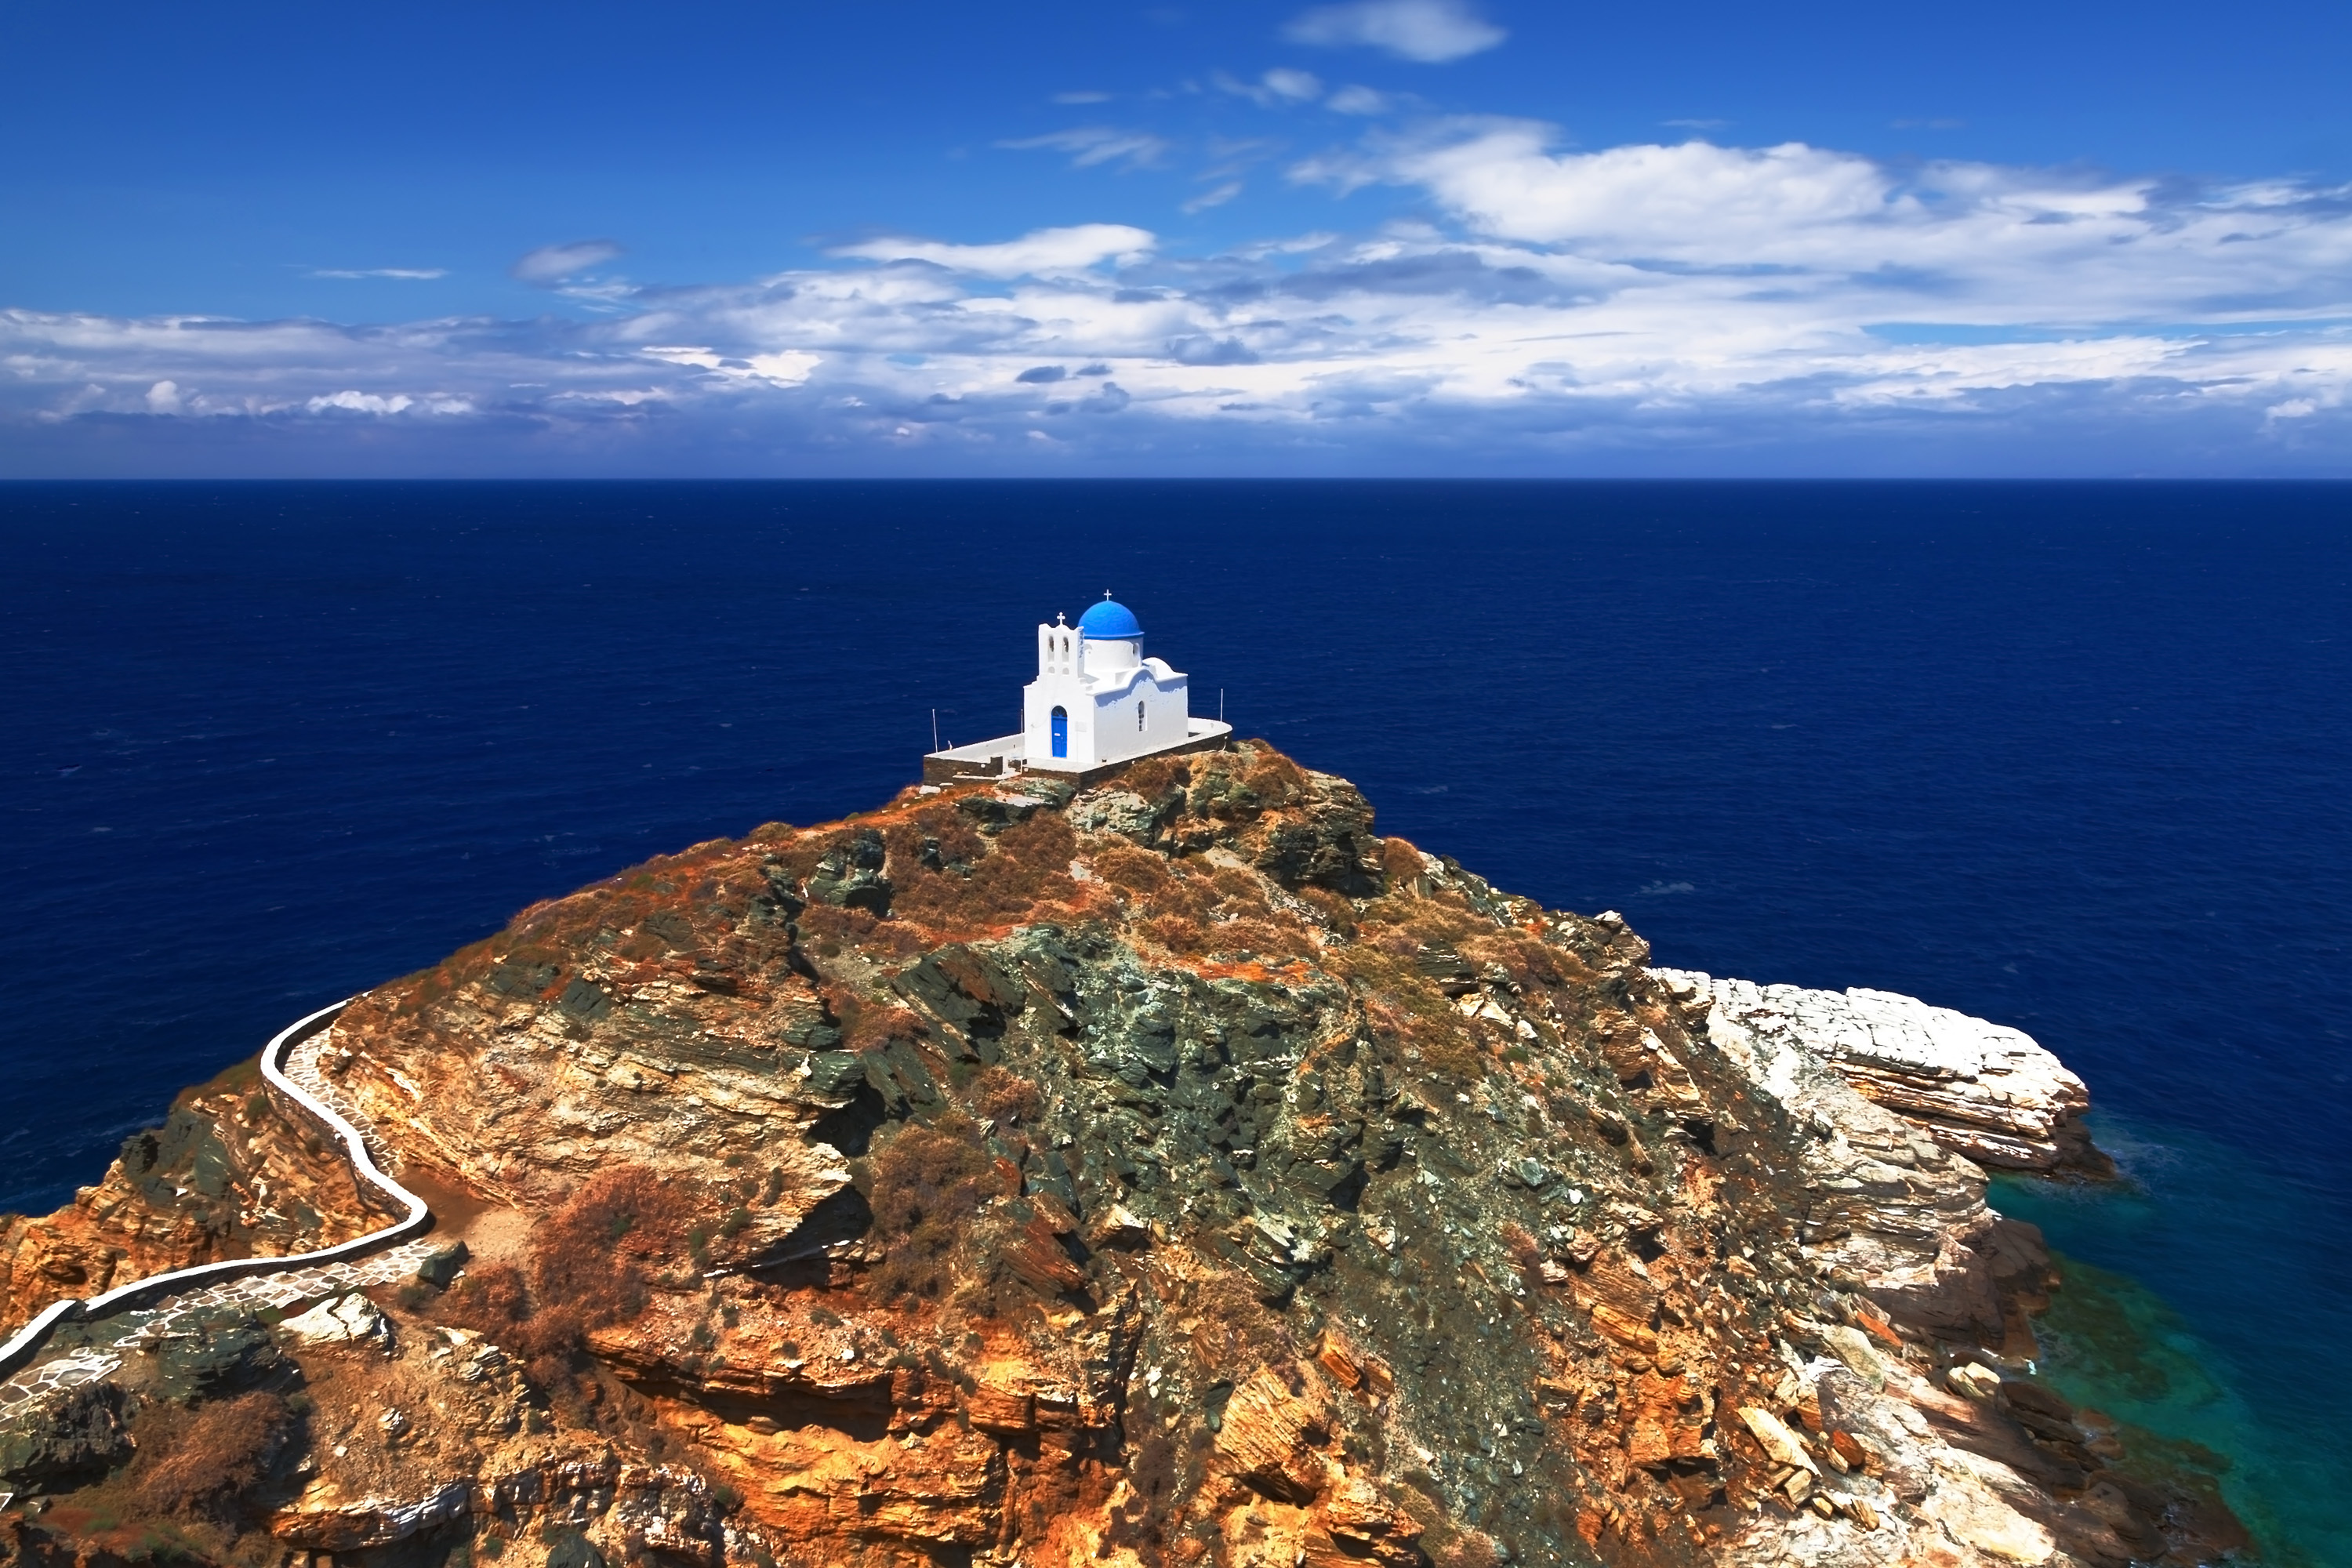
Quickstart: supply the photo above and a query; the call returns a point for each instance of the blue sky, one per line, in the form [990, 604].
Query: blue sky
[1446, 237]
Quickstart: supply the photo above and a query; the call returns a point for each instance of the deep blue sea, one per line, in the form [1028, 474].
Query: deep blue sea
[2073, 757]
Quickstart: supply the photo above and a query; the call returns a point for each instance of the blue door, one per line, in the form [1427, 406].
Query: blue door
[1061, 731]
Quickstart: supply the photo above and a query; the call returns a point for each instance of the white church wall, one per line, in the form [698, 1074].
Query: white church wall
[1037, 723]
[1164, 699]
[1109, 656]
[1118, 704]
[1059, 651]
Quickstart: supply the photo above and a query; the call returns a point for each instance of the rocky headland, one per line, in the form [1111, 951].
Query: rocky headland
[1171, 1172]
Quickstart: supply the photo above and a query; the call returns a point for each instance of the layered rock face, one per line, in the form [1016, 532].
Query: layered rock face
[1174, 1172]
[1980, 1089]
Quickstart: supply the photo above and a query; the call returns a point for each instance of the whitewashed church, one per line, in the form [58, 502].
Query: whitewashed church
[1098, 701]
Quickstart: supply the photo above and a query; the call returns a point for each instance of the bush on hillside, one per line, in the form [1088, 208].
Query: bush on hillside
[198, 1461]
[928, 1183]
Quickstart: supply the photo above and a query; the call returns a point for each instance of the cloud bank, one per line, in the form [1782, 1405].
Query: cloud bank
[1659, 309]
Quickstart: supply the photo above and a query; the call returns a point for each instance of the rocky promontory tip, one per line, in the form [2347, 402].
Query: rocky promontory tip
[1979, 1089]
[1170, 1171]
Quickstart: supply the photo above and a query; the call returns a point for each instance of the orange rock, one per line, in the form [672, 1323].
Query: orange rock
[1037, 1256]
[1340, 1363]
[1001, 1409]
[1273, 1426]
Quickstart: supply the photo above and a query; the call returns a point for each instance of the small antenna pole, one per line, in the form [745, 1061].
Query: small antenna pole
[1220, 704]
[935, 728]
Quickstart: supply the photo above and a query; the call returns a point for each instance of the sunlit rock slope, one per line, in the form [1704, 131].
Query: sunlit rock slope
[1177, 1172]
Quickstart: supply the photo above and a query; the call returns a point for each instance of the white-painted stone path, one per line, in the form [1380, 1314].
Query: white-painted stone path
[212, 1290]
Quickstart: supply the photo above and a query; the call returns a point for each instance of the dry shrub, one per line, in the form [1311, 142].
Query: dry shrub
[828, 929]
[1402, 864]
[1525, 960]
[1177, 933]
[1239, 891]
[947, 834]
[199, 1461]
[928, 1183]
[494, 1299]
[1265, 939]
[620, 1226]
[1156, 886]
[866, 1022]
[1525, 1255]
[1155, 775]
[1333, 907]
[1277, 780]
[1404, 1009]
[1028, 866]
[1004, 1098]
[1137, 870]
[592, 1263]
[798, 859]
[1406, 926]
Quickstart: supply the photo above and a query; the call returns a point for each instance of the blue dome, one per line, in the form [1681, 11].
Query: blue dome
[1109, 619]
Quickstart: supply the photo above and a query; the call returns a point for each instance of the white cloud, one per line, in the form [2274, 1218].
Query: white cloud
[1044, 250]
[1998, 243]
[403, 274]
[360, 403]
[554, 263]
[1690, 201]
[1275, 88]
[1428, 31]
[1300, 87]
[1552, 309]
[786, 367]
[1355, 100]
[1088, 145]
[1216, 198]
[354, 402]
[1084, 97]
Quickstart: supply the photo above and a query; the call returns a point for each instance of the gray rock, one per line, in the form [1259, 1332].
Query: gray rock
[574, 1550]
[850, 876]
[521, 981]
[836, 1073]
[67, 1436]
[206, 1363]
[585, 1000]
[1849, 1404]
[343, 1320]
[440, 1266]
[1125, 812]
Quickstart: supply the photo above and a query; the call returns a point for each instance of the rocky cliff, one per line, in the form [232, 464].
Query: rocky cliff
[225, 1176]
[1173, 1173]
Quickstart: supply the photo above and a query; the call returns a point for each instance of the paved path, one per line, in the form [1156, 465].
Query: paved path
[302, 1066]
[295, 1282]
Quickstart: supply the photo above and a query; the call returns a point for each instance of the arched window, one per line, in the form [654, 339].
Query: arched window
[1061, 731]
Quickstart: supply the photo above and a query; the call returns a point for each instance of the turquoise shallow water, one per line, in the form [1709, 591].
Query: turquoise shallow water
[2070, 757]
[2223, 1344]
